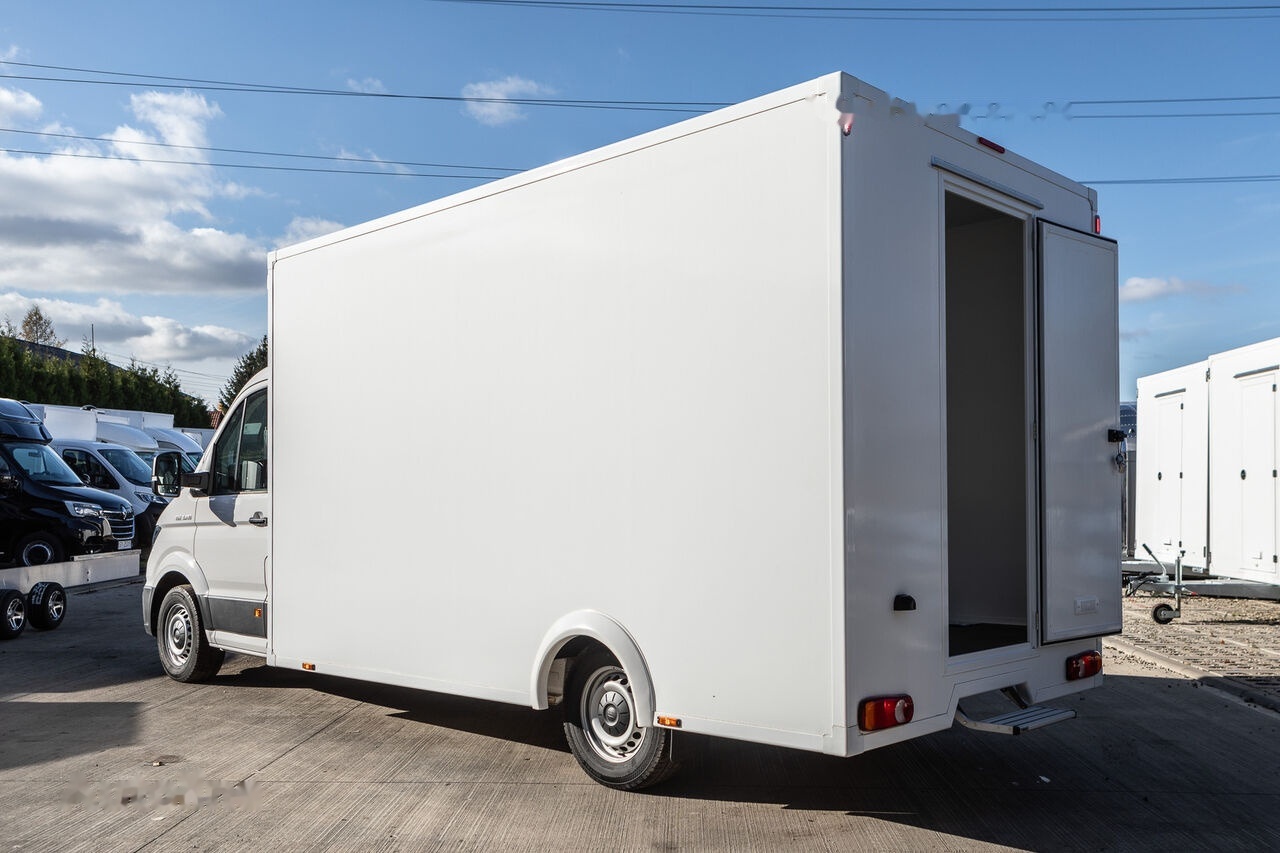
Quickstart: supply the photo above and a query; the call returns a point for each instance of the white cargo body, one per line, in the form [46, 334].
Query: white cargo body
[1173, 465]
[790, 406]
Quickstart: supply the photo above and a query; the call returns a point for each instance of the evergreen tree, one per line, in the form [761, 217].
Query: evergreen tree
[249, 364]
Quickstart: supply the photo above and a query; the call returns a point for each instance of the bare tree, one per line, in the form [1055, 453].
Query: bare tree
[38, 329]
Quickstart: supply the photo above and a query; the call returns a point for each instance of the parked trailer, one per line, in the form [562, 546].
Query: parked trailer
[1173, 466]
[1208, 471]
[37, 595]
[662, 391]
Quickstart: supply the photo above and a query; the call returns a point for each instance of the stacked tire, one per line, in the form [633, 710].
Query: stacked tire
[44, 607]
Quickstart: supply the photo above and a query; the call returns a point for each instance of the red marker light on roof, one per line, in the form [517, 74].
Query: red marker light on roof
[883, 712]
[1097, 224]
[994, 146]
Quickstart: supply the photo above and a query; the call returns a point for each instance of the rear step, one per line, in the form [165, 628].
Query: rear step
[1019, 721]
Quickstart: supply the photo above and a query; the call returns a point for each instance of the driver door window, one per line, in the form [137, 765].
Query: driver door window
[240, 456]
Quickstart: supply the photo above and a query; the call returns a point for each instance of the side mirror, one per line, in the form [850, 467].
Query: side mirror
[197, 481]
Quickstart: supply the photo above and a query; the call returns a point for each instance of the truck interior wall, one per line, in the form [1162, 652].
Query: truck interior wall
[986, 426]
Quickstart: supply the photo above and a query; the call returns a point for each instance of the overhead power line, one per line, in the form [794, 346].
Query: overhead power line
[83, 155]
[174, 146]
[912, 12]
[157, 81]
[1225, 179]
[1221, 179]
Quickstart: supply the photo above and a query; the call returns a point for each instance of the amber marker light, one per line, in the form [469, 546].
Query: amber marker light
[309, 667]
[669, 722]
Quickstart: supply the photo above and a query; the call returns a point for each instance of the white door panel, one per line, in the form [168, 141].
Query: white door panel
[1080, 482]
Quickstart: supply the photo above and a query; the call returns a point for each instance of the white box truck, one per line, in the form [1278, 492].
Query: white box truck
[791, 423]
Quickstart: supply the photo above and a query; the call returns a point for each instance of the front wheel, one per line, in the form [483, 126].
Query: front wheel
[185, 654]
[611, 744]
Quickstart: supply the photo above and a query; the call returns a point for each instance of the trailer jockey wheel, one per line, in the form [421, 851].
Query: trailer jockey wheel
[603, 732]
[1163, 613]
[47, 605]
[13, 614]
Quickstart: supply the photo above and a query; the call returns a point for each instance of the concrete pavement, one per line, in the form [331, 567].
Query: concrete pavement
[99, 751]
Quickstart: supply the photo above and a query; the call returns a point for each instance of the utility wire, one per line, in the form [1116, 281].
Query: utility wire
[155, 81]
[656, 105]
[908, 13]
[1225, 179]
[175, 146]
[258, 166]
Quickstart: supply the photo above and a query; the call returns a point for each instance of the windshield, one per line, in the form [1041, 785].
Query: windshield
[42, 464]
[129, 464]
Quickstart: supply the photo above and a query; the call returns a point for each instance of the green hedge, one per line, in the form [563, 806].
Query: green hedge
[91, 380]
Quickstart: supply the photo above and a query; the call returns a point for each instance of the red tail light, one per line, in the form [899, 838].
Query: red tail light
[1083, 665]
[883, 712]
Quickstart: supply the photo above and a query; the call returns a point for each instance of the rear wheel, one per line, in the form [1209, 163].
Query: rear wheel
[611, 744]
[185, 654]
[13, 614]
[46, 605]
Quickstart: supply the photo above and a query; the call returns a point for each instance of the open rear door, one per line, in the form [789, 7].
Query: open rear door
[1080, 482]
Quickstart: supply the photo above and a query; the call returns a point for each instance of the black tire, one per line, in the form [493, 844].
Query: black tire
[602, 731]
[46, 605]
[1163, 613]
[39, 549]
[13, 614]
[185, 653]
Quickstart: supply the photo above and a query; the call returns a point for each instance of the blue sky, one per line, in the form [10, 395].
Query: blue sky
[167, 260]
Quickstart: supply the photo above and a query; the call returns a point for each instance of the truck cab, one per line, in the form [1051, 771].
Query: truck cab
[47, 513]
[117, 469]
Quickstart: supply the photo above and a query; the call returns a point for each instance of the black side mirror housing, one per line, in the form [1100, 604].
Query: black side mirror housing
[197, 481]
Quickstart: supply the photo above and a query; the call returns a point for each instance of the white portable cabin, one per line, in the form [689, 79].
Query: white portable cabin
[1244, 448]
[663, 391]
[1173, 466]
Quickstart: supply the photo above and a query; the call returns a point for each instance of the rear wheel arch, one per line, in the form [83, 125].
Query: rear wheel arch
[581, 631]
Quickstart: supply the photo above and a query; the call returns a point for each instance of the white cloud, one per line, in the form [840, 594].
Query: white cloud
[494, 109]
[16, 105]
[1137, 289]
[81, 223]
[368, 84]
[303, 228]
[115, 330]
